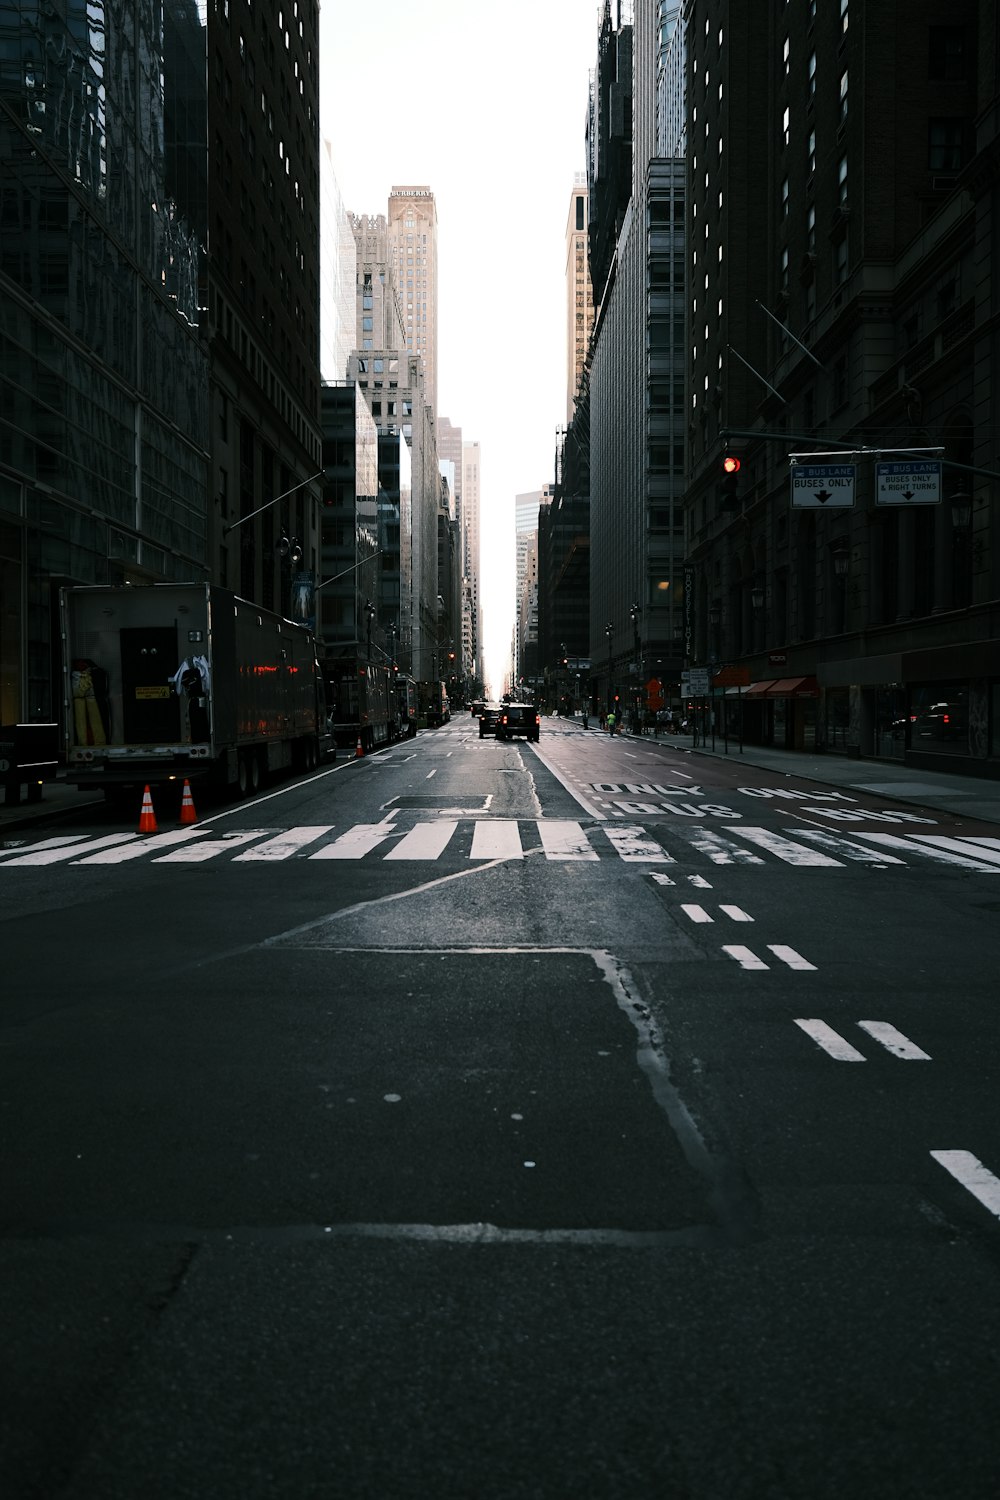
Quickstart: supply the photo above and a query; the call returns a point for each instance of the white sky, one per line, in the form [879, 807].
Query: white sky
[485, 104]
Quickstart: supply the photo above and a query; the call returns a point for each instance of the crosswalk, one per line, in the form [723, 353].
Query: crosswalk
[489, 839]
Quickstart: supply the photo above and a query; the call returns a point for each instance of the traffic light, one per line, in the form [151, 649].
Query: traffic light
[730, 481]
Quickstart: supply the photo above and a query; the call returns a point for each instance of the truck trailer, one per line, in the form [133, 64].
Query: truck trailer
[186, 680]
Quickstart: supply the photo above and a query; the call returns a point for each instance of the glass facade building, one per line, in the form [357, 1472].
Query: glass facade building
[103, 373]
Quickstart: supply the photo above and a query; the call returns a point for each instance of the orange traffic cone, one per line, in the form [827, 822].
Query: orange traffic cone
[147, 817]
[359, 753]
[188, 814]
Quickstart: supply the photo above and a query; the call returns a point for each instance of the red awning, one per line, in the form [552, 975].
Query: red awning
[794, 687]
[758, 689]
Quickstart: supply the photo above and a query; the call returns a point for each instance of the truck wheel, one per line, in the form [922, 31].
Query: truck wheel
[243, 776]
[254, 772]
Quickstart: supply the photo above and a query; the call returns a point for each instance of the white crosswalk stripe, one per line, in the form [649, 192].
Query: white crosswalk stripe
[499, 838]
[635, 846]
[786, 849]
[284, 845]
[488, 839]
[564, 840]
[945, 851]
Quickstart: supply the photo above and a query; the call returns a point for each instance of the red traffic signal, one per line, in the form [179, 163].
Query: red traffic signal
[730, 482]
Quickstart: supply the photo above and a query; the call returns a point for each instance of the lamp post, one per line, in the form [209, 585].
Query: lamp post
[609, 631]
[634, 615]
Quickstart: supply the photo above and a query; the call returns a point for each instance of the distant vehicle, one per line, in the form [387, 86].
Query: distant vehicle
[518, 718]
[477, 707]
[436, 707]
[363, 701]
[407, 706]
[488, 719]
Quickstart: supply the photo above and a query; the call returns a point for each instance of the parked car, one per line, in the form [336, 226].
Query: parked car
[518, 718]
[488, 719]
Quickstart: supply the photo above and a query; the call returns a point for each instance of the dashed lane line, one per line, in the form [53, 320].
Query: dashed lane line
[970, 1172]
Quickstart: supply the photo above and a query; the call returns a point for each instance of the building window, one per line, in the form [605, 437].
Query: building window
[948, 54]
[840, 261]
[842, 180]
[945, 142]
[812, 72]
[843, 96]
[786, 124]
[811, 231]
[843, 15]
[811, 153]
[784, 199]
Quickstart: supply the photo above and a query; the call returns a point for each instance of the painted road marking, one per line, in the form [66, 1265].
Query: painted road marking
[696, 913]
[500, 838]
[47, 855]
[356, 842]
[195, 853]
[831, 1041]
[745, 957]
[144, 846]
[661, 879]
[986, 849]
[894, 1041]
[284, 845]
[564, 840]
[784, 849]
[426, 841]
[970, 1172]
[944, 856]
[736, 913]
[722, 851]
[635, 846]
[846, 848]
[790, 957]
[56, 843]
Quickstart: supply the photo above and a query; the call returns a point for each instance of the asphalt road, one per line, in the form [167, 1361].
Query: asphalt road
[588, 1119]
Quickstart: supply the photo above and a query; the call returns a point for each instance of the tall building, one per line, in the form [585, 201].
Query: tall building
[338, 271]
[471, 555]
[579, 297]
[843, 211]
[636, 377]
[413, 235]
[105, 421]
[263, 302]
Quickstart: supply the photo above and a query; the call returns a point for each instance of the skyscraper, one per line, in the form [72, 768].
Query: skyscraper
[579, 296]
[413, 230]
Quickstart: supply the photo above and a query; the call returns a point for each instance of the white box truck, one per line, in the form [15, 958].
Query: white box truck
[186, 680]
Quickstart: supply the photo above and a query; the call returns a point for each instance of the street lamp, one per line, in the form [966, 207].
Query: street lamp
[609, 631]
[634, 614]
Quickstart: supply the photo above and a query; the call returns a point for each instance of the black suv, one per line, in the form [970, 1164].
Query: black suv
[489, 719]
[518, 718]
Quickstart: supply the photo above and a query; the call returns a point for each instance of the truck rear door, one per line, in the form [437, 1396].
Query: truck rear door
[150, 707]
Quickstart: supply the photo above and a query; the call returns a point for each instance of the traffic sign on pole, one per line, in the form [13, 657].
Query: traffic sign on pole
[823, 486]
[908, 482]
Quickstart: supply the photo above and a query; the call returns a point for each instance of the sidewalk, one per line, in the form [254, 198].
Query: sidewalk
[961, 796]
[58, 799]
